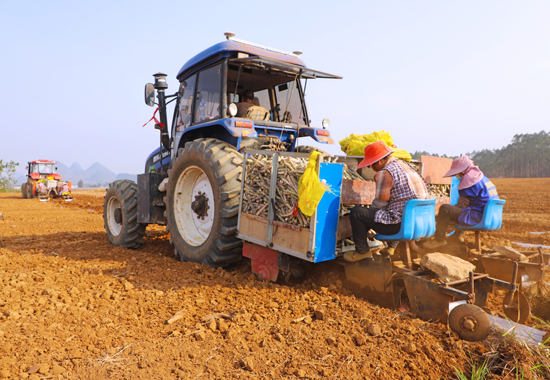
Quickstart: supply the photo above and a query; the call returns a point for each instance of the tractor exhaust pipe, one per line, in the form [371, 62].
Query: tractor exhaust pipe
[161, 86]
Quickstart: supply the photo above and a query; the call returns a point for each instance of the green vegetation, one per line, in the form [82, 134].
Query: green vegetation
[478, 372]
[416, 155]
[501, 362]
[527, 156]
[7, 170]
[8, 190]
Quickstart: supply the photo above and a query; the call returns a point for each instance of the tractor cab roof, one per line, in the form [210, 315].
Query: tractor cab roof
[246, 52]
[42, 162]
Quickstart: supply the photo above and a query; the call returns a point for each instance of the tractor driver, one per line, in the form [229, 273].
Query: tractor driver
[247, 102]
[396, 183]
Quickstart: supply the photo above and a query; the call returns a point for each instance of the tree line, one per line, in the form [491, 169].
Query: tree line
[7, 170]
[527, 156]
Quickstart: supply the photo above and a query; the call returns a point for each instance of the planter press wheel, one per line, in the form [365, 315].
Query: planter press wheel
[519, 310]
[470, 322]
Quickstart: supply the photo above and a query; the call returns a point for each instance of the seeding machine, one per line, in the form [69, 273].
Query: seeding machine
[225, 186]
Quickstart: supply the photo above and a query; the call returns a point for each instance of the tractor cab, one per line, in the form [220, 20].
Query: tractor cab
[210, 95]
[42, 169]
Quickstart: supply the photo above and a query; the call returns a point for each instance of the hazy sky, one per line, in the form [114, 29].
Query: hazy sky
[440, 76]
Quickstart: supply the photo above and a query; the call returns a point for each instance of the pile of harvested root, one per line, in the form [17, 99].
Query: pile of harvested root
[289, 171]
[440, 191]
[256, 188]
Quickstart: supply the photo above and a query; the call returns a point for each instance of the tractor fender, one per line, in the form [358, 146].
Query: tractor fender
[228, 130]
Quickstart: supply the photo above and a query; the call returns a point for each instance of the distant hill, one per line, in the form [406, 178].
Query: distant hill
[95, 174]
[76, 167]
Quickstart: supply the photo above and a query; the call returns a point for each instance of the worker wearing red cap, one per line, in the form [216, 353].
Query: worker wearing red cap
[474, 190]
[396, 183]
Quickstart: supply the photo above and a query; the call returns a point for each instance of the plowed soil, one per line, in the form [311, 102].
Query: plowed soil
[72, 306]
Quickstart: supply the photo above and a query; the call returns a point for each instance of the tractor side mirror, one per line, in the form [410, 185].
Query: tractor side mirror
[149, 94]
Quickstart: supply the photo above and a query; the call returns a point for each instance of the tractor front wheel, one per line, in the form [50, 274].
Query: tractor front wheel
[24, 191]
[120, 215]
[202, 203]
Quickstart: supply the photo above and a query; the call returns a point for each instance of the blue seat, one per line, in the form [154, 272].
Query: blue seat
[490, 221]
[418, 221]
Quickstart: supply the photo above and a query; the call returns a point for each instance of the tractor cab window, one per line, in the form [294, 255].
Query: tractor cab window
[289, 105]
[261, 98]
[186, 94]
[42, 168]
[276, 88]
[207, 101]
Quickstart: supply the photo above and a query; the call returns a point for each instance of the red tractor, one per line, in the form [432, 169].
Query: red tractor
[43, 182]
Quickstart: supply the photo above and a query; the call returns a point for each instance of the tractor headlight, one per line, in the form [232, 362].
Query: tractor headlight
[326, 122]
[232, 109]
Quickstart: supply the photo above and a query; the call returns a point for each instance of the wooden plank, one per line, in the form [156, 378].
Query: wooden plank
[435, 168]
[297, 241]
[286, 225]
[357, 192]
[253, 226]
[291, 237]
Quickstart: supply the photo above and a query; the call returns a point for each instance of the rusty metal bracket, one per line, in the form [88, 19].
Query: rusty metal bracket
[514, 280]
[458, 282]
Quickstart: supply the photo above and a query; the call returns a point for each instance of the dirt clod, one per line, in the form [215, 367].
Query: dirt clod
[200, 336]
[248, 364]
[360, 340]
[361, 313]
[374, 329]
[212, 325]
[222, 326]
[410, 348]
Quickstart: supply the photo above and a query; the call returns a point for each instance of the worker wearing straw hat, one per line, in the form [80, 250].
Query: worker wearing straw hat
[474, 189]
[396, 183]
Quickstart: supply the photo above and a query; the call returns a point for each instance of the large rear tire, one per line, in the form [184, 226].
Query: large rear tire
[120, 215]
[30, 188]
[24, 191]
[203, 203]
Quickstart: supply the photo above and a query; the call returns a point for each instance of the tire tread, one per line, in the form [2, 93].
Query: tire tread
[132, 232]
[226, 163]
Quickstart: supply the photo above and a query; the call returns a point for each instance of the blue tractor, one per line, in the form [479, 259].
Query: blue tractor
[191, 183]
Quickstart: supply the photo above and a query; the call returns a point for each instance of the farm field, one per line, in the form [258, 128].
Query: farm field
[73, 306]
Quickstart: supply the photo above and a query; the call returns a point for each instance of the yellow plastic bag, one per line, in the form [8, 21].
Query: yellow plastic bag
[402, 154]
[310, 189]
[354, 145]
